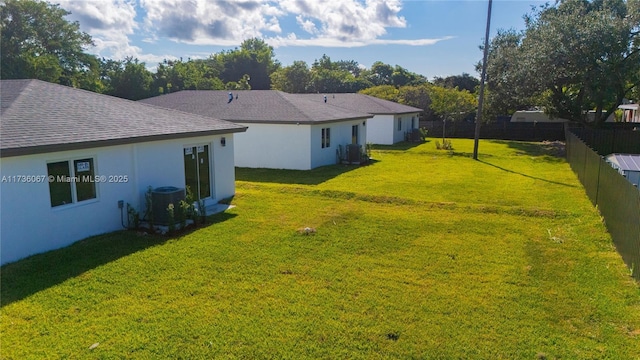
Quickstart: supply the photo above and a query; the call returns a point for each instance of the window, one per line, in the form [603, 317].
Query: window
[413, 122]
[354, 134]
[71, 181]
[399, 124]
[326, 136]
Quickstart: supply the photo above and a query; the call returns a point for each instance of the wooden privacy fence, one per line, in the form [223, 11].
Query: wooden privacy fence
[610, 140]
[617, 199]
[500, 130]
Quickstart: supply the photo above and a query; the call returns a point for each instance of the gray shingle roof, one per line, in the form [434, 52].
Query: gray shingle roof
[361, 102]
[254, 106]
[38, 117]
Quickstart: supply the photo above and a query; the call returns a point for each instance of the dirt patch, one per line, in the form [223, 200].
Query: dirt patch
[554, 148]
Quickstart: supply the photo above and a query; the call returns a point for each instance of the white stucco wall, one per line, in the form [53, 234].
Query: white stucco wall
[380, 129]
[399, 135]
[29, 225]
[340, 135]
[383, 129]
[293, 147]
[274, 146]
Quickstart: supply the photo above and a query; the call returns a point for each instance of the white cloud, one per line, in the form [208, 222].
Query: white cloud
[102, 16]
[333, 42]
[340, 23]
[110, 23]
[306, 24]
[211, 22]
[347, 20]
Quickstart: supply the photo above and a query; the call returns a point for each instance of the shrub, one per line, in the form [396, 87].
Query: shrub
[133, 217]
[172, 219]
[446, 145]
[423, 133]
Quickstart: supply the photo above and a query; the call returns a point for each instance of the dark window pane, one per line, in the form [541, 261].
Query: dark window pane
[191, 169]
[328, 137]
[85, 185]
[60, 187]
[203, 171]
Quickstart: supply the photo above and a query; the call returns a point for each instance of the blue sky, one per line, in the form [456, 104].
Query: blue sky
[432, 38]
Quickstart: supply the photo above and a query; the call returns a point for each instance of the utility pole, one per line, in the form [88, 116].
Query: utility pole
[482, 79]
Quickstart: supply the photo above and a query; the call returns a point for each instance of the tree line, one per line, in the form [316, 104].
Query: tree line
[37, 42]
[574, 56]
[575, 59]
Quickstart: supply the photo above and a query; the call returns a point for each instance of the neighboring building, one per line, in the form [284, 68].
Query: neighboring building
[631, 112]
[285, 131]
[101, 152]
[628, 165]
[391, 121]
[534, 116]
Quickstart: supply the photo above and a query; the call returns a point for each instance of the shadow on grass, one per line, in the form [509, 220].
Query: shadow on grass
[299, 177]
[525, 175]
[464, 154]
[401, 146]
[549, 151]
[42, 271]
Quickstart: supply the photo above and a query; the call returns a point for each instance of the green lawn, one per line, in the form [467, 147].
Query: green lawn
[422, 254]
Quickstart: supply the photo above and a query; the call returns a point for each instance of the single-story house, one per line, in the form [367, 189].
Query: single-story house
[630, 112]
[285, 131]
[628, 165]
[391, 121]
[71, 160]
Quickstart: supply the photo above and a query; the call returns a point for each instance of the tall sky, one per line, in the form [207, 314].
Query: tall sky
[432, 38]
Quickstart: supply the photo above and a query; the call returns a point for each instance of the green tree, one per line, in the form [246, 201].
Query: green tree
[179, 75]
[36, 41]
[451, 104]
[508, 88]
[351, 66]
[242, 84]
[462, 82]
[386, 92]
[292, 79]
[128, 79]
[254, 58]
[573, 56]
[417, 96]
[328, 76]
[380, 74]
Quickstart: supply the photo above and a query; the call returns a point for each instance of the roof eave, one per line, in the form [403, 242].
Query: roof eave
[42, 149]
[301, 122]
[397, 112]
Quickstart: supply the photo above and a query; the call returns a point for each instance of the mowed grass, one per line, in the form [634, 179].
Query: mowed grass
[422, 254]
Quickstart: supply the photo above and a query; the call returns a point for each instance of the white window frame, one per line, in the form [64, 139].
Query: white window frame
[72, 184]
[326, 138]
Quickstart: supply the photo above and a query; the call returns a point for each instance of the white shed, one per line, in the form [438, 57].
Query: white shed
[70, 158]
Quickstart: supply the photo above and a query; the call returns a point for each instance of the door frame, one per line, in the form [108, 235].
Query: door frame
[211, 174]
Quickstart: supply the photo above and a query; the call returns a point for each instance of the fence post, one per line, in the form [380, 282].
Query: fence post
[598, 181]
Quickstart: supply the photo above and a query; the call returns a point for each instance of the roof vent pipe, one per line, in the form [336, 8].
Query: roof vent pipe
[325, 98]
[230, 97]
